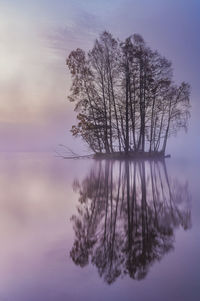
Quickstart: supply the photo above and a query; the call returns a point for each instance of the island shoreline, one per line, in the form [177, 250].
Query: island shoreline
[131, 156]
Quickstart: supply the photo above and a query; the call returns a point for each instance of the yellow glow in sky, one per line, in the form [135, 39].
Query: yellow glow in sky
[32, 76]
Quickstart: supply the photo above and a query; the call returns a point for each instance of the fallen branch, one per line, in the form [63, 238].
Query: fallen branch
[70, 154]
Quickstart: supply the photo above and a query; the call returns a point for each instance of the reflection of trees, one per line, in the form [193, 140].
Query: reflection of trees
[126, 217]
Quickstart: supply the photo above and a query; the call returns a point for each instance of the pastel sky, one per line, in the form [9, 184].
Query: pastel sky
[36, 37]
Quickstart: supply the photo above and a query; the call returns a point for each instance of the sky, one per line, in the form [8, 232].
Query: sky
[37, 36]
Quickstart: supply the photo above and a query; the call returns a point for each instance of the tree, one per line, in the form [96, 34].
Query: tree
[125, 97]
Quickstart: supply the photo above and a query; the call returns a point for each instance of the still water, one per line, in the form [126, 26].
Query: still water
[96, 230]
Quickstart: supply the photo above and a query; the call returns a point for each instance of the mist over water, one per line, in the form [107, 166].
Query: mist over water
[84, 229]
[87, 230]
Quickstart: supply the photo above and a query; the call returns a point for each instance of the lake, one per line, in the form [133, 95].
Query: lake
[98, 230]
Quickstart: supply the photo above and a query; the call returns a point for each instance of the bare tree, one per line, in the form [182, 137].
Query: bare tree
[125, 97]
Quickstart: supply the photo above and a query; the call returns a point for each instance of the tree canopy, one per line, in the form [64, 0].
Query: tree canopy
[125, 97]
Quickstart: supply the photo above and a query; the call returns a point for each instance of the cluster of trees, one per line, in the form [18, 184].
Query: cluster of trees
[126, 217]
[125, 96]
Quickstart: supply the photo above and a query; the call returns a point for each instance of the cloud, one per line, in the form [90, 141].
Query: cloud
[80, 31]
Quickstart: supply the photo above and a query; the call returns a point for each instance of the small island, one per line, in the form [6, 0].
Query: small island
[126, 101]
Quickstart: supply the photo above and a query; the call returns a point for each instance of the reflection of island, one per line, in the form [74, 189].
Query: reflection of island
[126, 217]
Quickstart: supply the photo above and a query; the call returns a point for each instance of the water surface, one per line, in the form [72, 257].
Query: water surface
[86, 230]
